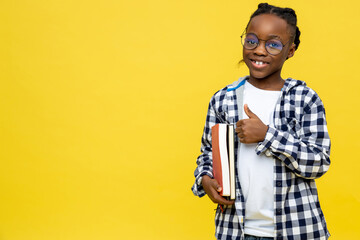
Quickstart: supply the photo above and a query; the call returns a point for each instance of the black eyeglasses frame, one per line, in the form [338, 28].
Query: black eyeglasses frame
[244, 33]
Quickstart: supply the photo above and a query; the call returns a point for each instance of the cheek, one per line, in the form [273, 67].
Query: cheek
[245, 52]
[286, 53]
[282, 59]
[245, 55]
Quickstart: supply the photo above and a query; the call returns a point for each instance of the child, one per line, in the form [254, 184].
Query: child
[282, 143]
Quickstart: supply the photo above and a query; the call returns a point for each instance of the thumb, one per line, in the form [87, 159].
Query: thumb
[217, 186]
[249, 113]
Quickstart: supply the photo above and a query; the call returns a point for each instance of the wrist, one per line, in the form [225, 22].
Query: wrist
[200, 178]
[263, 135]
[205, 178]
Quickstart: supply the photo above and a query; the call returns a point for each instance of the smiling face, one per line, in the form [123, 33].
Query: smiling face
[261, 64]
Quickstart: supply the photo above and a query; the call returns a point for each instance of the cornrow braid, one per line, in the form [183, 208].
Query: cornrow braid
[297, 38]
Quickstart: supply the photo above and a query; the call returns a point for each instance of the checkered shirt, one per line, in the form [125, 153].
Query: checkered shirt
[298, 140]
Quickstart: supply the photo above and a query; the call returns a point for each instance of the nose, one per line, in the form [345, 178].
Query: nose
[260, 49]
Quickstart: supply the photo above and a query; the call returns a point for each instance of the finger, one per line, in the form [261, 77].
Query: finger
[219, 199]
[241, 136]
[240, 132]
[248, 112]
[216, 185]
[244, 140]
[240, 123]
[210, 186]
[215, 196]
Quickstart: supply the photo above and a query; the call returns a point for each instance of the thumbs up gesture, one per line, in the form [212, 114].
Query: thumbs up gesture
[251, 130]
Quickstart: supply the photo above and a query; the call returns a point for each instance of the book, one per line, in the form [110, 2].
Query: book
[222, 137]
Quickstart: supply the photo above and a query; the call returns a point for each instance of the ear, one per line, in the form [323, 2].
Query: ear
[291, 51]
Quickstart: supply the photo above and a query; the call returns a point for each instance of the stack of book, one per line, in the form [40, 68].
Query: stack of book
[224, 158]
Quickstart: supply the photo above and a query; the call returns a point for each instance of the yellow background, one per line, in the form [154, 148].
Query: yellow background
[103, 103]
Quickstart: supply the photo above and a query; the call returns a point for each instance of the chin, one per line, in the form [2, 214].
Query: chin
[258, 75]
[254, 73]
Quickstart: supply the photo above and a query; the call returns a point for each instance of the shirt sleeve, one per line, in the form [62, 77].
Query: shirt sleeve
[204, 160]
[308, 153]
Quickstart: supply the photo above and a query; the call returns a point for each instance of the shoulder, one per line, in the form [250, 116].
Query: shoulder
[300, 93]
[299, 89]
[237, 84]
[221, 96]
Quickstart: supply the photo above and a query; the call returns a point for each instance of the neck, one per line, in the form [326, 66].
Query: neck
[272, 83]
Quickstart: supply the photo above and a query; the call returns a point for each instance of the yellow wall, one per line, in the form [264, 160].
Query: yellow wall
[102, 107]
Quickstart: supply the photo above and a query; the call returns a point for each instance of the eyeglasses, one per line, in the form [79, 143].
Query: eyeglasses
[251, 41]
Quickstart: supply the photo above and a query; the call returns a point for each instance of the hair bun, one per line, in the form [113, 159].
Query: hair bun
[290, 10]
[263, 5]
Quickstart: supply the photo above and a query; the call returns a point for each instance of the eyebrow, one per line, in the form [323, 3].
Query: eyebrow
[271, 36]
[275, 36]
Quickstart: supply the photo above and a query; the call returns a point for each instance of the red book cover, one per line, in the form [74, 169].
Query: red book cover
[217, 171]
[221, 164]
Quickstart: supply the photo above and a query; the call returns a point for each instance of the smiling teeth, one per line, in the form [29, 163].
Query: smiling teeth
[259, 63]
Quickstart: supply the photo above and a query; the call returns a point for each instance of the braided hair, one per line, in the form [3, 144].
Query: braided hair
[288, 14]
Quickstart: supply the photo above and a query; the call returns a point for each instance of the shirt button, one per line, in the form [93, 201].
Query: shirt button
[279, 235]
[268, 153]
[278, 183]
[278, 211]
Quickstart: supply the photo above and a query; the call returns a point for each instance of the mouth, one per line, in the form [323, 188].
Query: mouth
[259, 64]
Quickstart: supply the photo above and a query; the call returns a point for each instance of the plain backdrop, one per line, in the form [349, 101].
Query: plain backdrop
[103, 104]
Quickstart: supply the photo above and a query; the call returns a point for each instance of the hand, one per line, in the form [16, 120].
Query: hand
[251, 130]
[212, 189]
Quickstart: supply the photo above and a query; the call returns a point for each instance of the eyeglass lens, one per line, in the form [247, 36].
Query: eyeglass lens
[273, 46]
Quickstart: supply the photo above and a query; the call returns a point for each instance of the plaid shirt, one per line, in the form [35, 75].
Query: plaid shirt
[298, 140]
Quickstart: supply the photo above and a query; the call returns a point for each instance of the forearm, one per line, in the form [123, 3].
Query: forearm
[306, 157]
[204, 161]
[204, 168]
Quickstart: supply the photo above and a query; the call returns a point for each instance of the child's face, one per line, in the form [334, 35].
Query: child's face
[265, 27]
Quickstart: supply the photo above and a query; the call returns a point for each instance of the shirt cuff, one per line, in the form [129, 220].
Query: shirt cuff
[264, 146]
[197, 188]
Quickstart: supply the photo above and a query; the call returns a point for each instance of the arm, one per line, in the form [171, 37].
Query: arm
[204, 182]
[308, 153]
[204, 161]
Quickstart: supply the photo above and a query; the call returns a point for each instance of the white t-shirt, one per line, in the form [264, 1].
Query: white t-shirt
[256, 172]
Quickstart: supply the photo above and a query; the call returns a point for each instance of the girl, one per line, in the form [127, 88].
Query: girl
[282, 143]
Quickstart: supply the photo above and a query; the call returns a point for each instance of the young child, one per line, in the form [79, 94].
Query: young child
[281, 145]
